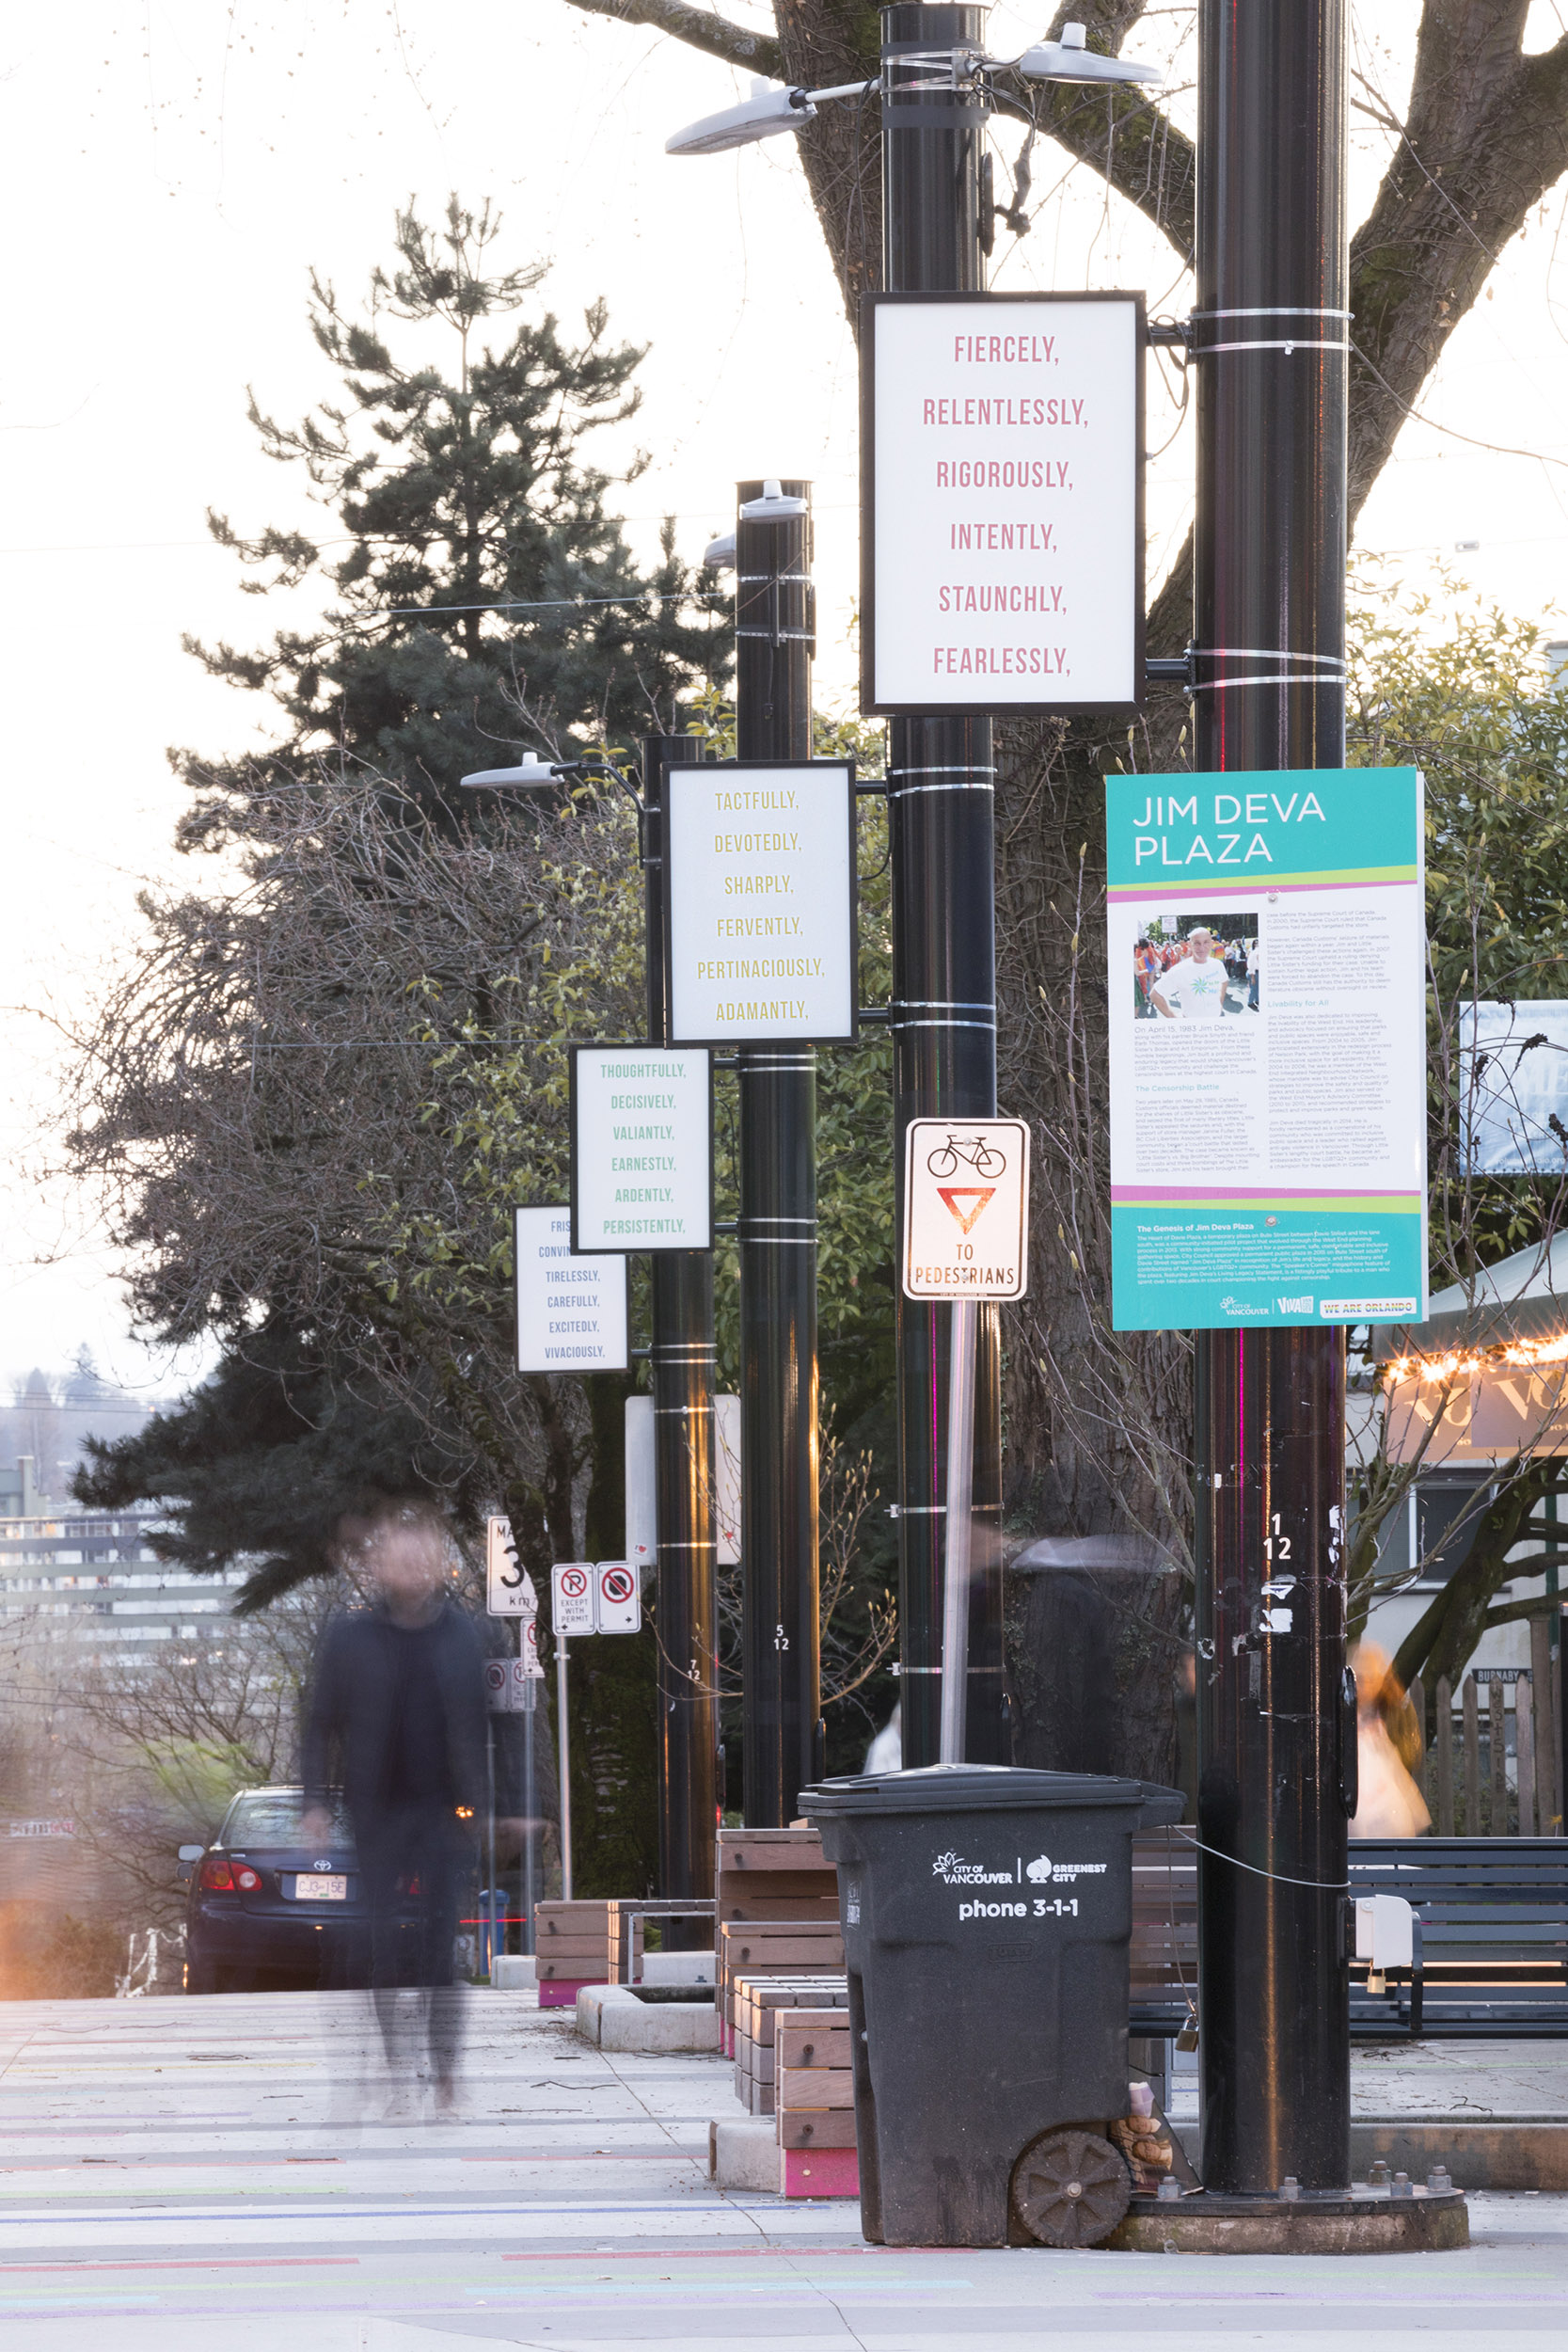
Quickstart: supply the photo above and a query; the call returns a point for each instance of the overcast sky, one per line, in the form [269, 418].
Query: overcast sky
[171, 172]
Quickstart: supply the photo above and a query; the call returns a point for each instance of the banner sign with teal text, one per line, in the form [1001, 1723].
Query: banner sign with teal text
[1266, 936]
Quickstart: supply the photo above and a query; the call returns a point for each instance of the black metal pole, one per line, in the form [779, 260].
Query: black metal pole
[687, 1566]
[940, 794]
[774, 641]
[1270, 353]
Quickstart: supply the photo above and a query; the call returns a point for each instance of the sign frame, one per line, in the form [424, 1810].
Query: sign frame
[699, 774]
[916, 1134]
[1257, 1242]
[563, 1209]
[601, 1248]
[871, 705]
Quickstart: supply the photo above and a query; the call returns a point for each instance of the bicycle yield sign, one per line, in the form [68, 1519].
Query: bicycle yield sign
[966, 1208]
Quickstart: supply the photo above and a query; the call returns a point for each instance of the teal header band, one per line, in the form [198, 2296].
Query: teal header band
[1317, 825]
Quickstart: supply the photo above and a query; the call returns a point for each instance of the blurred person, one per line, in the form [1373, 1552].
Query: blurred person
[1387, 1745]
[396, 1717]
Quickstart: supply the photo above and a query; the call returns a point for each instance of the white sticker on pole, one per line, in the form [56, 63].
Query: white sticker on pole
[966, 1208]
[1002, 523]
[641, 1148]
[619, 1598]
[572, 1597]
[571, 1310]
[508, 1586]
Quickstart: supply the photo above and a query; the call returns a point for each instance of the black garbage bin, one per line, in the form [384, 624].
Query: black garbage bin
[987, 1915]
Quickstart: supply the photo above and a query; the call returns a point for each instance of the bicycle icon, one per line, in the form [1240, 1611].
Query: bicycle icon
[973, 1151]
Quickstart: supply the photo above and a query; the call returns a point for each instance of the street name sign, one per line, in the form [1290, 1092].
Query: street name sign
[759, 895]
[642, 1519]
[572, 1597]
[1267, 943]
[642, 1122]
[508, 1586]
[1002, 504]
[571, 1310]
[966, 1208]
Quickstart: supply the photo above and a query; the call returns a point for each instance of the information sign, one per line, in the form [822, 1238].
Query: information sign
[618, 1592]
[1266, 935]
[759, 896]
[572, 1597]
[1002, 522]
[966, 1208]
[571, 1310]
[508, 1586]
[641, 1148]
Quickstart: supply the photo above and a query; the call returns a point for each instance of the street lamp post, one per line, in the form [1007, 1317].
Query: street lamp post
[940, 794]
[685, 1468]
[1275, 1731]
[777, 1226]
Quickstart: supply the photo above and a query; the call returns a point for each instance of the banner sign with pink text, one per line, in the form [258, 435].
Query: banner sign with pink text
[1002, 527]
[1267, 936]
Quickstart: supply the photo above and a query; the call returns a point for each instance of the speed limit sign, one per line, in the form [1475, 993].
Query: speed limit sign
[572, 1597]
[619, 1598]
[508, 1586]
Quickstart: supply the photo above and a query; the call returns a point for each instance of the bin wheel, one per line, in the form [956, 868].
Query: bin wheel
[1070, 2188]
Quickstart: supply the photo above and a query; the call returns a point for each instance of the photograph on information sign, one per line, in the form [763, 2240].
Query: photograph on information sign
[1195, 968]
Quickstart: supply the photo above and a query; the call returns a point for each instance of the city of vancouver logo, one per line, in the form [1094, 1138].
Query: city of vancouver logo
[954, 1870]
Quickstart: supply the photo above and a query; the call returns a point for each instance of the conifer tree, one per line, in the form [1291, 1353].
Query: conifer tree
[488, 602]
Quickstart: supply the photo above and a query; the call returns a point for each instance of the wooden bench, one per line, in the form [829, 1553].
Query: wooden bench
[1490, 1937]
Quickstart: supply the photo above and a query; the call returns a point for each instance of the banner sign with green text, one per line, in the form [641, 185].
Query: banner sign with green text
[1267, 936]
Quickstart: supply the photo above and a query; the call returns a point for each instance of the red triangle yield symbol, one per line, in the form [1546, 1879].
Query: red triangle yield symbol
[979, 1194]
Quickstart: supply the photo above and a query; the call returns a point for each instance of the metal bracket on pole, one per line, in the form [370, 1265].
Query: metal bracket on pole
[960, 1482]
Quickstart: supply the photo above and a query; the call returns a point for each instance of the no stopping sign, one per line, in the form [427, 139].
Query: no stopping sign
[619, 1597]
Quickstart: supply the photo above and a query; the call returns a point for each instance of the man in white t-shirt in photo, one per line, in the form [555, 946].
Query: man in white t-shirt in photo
[1193, 989]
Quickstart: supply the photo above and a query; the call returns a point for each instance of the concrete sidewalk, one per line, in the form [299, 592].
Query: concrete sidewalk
[220, 2172]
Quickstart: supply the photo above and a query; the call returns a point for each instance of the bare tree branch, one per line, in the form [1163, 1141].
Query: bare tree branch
[698, 27]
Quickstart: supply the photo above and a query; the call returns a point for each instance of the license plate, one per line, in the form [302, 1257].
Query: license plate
[320, 1886]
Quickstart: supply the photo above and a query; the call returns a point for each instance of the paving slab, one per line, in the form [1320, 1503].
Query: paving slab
[237, 2174]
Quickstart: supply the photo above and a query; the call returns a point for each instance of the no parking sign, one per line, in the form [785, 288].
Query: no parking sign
[603, 1597]
[572, 1597]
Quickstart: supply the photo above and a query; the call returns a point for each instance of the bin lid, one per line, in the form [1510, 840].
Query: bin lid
[989, 1789]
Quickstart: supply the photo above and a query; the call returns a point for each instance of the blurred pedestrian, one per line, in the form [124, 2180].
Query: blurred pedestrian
[1387, 1745]
[396, 1718]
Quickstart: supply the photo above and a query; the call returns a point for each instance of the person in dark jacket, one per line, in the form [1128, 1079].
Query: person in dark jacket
[396, 1718]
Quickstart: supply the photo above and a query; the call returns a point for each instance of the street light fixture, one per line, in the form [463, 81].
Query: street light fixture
[1069, 60]
[774, 107]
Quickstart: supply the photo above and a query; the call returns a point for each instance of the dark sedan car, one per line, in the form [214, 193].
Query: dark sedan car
[266, 1911]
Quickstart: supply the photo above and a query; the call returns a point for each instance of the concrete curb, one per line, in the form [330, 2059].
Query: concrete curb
[613, 2018]
[743, 2154]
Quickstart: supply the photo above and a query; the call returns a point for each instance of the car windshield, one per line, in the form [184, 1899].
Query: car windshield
[270, 1817]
